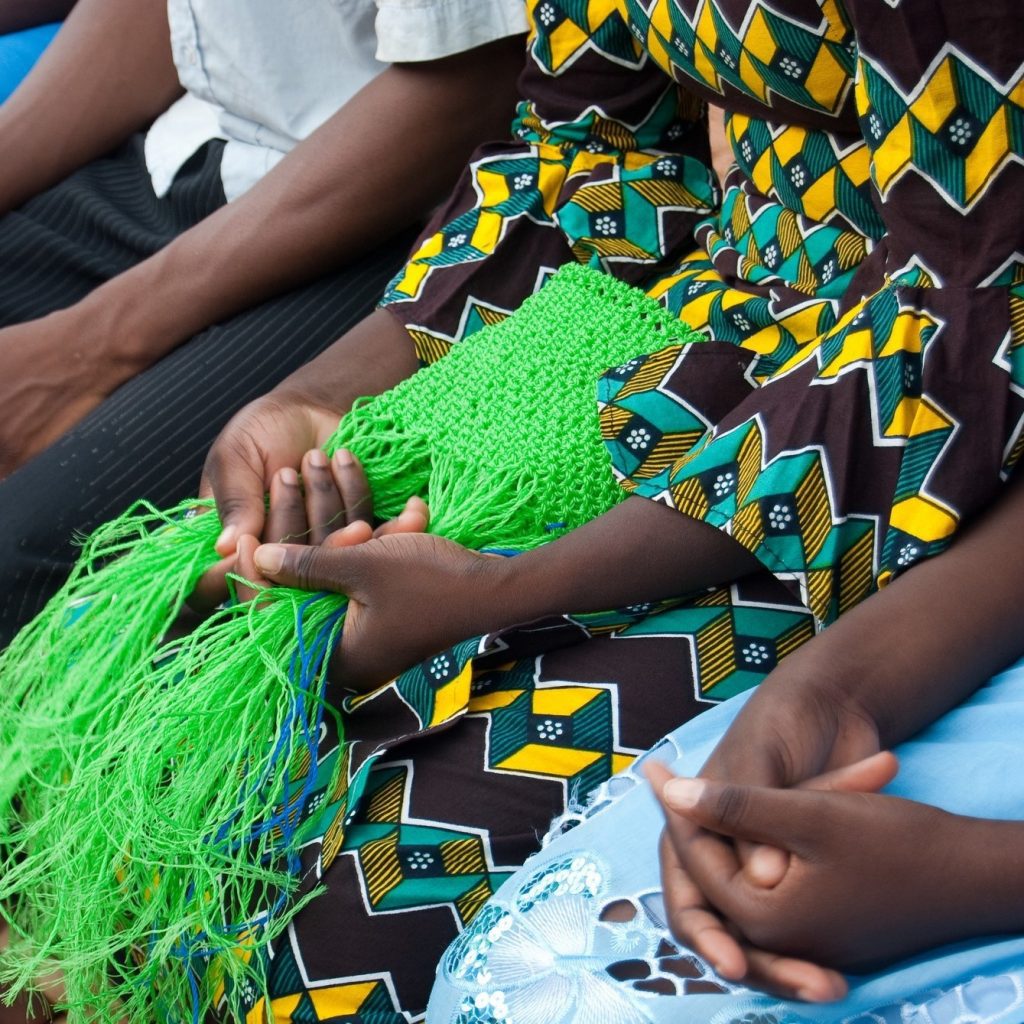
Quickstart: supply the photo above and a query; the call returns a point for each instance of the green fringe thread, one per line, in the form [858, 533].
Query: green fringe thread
[134, 852]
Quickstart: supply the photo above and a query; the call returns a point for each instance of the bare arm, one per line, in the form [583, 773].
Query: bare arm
[108, 73]
[371, 170]
[16, 15]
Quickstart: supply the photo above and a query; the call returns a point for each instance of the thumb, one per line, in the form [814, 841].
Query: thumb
[239, 491]
[868, 775]
[306, 567]
[784, 818]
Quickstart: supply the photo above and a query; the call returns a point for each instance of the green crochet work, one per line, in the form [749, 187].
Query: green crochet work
[150, 827]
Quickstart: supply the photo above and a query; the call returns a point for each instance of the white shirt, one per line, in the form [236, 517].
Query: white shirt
[264, 74]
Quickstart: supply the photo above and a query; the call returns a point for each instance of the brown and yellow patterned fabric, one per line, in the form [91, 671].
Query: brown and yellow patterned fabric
[860, 280]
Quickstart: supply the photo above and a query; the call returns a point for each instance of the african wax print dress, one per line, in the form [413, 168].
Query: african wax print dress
[860, 282]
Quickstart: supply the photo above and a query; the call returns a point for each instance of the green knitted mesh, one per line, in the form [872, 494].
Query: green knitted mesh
[145, 785]
[501, 436]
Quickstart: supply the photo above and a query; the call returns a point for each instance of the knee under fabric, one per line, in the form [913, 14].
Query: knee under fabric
[148, 828]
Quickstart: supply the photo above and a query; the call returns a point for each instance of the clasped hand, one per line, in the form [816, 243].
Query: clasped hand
[411, 594]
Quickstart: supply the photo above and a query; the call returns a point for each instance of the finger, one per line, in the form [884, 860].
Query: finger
[766, 866]
[791, 978]
[763, 866]
[286, 516]
[325, 510]
[212, 588]
[246, 569]
[692, 922]
[348, 536]
[785, 818]
[414, 518]
[237, 482]
[690, 918]
[353, 487]
[868, 775]
[333, 568]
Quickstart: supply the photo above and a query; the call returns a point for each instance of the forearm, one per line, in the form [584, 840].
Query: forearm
[16, 15]
[374, 168]
[370, 358]
[108, 73]
[923, 644]
[639, 551]
[987, 881]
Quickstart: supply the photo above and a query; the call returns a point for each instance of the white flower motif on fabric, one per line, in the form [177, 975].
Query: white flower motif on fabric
[727, 59]
[961, 132]
[791, 68]
[874, 126]
[780, 516]
[638, 439]
[606, 225]
[908, 552]
[755, 654]
[666, 166]
[419, 860]
[694, 288]
[456, 240]
[440, 666]
[747, 150]
[681, 46]
[639, 609]
[550, 730]
[771, 256]
[628, 367]
[741, 321]
[594, 146]
[828, 271]
[909, 377]
[798, 176]
[531, 962]
[724, 483]
[521, 181]
[675, 131]
[547, 15]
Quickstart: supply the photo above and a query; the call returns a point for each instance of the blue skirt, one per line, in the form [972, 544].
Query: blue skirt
[18, 52]
[540, 953]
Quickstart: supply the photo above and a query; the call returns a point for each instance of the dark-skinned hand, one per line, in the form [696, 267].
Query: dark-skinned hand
[410, 594]
[859, 888]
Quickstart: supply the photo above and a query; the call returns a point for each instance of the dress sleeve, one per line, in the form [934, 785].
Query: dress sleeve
[607, 164]
[867, 450]
[418, 30]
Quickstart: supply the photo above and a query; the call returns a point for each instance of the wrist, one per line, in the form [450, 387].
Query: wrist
[375, 355]
[128, 324]
[981, 875]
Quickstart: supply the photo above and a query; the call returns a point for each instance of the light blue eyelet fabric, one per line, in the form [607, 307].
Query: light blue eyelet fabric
[18, 52]
[540, 953]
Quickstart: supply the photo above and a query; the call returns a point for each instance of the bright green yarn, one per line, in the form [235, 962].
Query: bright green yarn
[113, 757]
[501, 436]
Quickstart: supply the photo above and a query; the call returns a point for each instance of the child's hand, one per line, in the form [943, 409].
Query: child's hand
[870, 879]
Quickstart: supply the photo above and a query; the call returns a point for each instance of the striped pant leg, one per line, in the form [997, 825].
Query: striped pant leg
[96, 224]
[149, 439]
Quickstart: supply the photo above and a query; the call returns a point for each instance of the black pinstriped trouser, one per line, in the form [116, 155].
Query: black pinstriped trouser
[149, 439]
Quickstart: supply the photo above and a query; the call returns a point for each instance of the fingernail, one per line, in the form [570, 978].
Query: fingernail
[227, 540]
[269, 558]
[343, 457]
[683, 794]
[810, 995]
[317, 458]
[289, 477]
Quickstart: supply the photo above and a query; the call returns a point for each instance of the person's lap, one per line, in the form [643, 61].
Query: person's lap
[149, 439]
[554, 943]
